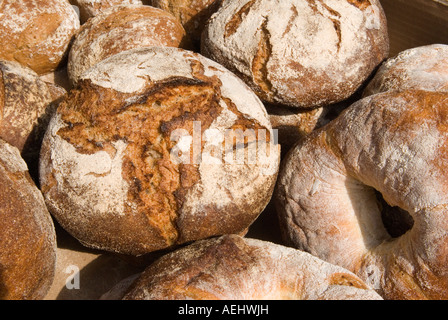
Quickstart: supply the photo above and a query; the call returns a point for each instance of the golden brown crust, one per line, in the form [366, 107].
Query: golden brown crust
[231, 267]
[391, 145]
[28, 240]
[303, 54]
[153, 201]
[192, 14]
[89, 8]
[26, 105]
[122, 28]
[37, 33]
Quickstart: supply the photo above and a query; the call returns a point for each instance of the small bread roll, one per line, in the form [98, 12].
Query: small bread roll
[156, 147]
[235, 268]
[91, 8]
[193, 14]
[37, 33]
[26, 106]
[422, 68]
[385, 157]
[299, 53]
[28, 239]
[118, 29]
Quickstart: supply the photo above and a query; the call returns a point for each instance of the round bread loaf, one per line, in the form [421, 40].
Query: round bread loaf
[118, 29]
[26, 105]
[91, 8]
[422, 68]
[299, 53]
[368, 192]
[234, 268]
[28, 240]
[36, 33]
[156, 147]
[193, 14]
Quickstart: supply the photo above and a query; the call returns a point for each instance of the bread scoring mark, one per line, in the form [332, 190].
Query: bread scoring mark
[260, 62]
[232, 26]
[294, 16]
[345, 279]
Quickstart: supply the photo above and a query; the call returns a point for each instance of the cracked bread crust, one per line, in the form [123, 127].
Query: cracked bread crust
[107, 171]
[299, 53]
[28, 238]
[236, 268]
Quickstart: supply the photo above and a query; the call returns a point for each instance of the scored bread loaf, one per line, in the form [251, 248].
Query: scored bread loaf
[231, 267]
[121, 28]
[156, 147]
[37, 33]
[91, 8]
[299, 53]
[27, 235]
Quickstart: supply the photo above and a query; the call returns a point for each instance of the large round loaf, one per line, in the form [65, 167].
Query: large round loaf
[299, 53]
[369, 191]
[235, 268]
[156, 147]
[36, 33]
[421, 68]
[26, 105]
[27, 235]
[118, 29]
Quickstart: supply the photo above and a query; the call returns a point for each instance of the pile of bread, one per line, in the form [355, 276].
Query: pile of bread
[169, 126]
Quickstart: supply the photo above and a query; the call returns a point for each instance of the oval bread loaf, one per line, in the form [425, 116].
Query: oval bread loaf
[235, 268]
[27, 235]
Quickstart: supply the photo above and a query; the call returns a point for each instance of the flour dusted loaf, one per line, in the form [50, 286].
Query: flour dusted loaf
[231, 267]
[26, 105]
[121, 28]
[36, 33]
[193, 14]
[299, 53]
[141, 155]
[424, 68]
[368, 192]
[91, 8]
[27, 235]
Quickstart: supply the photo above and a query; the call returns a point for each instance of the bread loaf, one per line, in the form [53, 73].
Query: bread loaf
[26, 105]
[422, 68]
[383, 159]
[28, 240]
[299, 53]
[36, 33]
[235, 268]
[121, 28]
[156, 147]
[91, 8]
[192, 14]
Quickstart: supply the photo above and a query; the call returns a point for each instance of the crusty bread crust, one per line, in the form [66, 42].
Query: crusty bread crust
[28, 238]
[37, 33]
[121, 28]
[236, 268]
[421, 68]
[299, 53]
[394, 143]
[106, 167]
